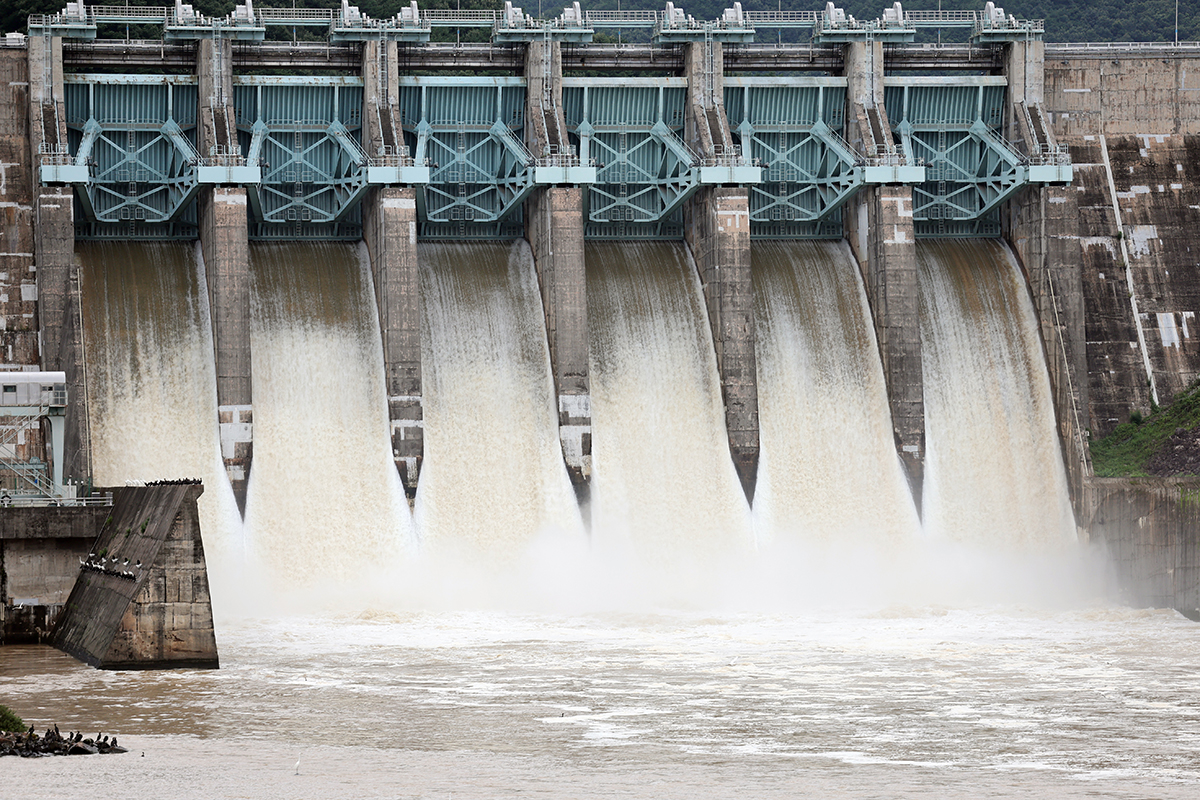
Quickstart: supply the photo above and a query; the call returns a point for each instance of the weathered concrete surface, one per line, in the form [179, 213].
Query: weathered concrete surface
[59, 328]
[554, 225]
[390, 232]
[381, 93]
[718, 234]
[162, 615]
[18, 277]
[40, 550]
[554, 228]
[879, 226]
[882, 238]
[226, 249]
[717, 229]
[1123, 92]
[46, 108]
[1039, 227]
[1151, 530]
[1157, 182]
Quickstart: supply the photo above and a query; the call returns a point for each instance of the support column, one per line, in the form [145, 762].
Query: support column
[390, 230]
[1041, 225]
[59, 322]
[224, 242]
[717, 229]
[554, 227]
[880, 228]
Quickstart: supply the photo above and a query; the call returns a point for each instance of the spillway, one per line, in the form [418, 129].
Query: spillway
[994, 472]
[493, 478]
[664, 486]
[828, 470]
[150, 375]
[324, 500]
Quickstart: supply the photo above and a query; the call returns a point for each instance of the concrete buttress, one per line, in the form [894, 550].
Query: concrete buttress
[390, 232]
[389, 217]
[881, 231]
[224, 243]
[554, 226]
[717, 229]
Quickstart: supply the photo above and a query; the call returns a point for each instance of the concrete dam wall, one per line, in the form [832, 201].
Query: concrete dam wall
[672, 199]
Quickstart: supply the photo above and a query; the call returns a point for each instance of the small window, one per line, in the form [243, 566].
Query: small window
[8, 389]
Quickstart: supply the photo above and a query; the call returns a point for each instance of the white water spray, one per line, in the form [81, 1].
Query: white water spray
[324, 503]
[828, 471]
[493, 479]
[664, 486]
[994, 474]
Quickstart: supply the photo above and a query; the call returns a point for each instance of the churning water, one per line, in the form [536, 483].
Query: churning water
[860, 655]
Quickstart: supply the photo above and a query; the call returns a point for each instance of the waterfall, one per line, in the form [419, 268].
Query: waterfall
[150, 376]
[828, 471]
[324, 500]
[493, 479]
[994, 473]
[663, 481]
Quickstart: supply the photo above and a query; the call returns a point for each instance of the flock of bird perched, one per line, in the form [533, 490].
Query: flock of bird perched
[111, 566]
[29, 745]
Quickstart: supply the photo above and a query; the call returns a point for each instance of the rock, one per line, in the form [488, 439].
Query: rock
[81, 749]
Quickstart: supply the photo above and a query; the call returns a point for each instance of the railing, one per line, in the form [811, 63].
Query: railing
[54, 154]
[559, 158]
[1064, 47]
[882, 155]
[723, 156]
[782, 19]
[622, 19]
[1051, 155]
[447, 18]
[28, 501]
[944, 19]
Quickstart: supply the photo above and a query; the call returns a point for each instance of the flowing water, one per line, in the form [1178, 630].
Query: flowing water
[825, 428]
[324, 499]
[493, 478]
[664, 487]
[150, 375]
[964, 659]
[994, 471]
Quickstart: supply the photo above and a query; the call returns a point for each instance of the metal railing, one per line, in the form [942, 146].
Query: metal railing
[622, 19]
[723, 156]
[29, 501]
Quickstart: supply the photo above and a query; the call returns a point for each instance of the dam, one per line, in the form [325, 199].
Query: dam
[678, 298]
[692, 415]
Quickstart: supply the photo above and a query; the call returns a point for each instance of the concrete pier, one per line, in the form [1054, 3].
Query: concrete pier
[554, 228]
[390, 232]
[879, 225]
[224, 243]
[717, 229]
[141, 600]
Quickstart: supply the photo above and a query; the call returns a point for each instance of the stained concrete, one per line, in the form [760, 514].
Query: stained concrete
[18, 276]
[554, 227]
[161, 616]
[390, 233]
[40, 550]
[717, 230]
[1150, 528]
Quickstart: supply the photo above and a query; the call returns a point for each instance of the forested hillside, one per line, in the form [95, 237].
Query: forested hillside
[1066, 20]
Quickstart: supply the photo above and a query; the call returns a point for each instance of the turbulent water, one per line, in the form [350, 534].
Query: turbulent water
[664, 487]
[825, 428]
[324, 499]
[973, 661]
[493, 479]
[994, 472]
[899, 702]
[151, 380]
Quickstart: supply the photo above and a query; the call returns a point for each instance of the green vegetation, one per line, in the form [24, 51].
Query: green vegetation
[10, 722]
[1066, 20]
[1125, 451]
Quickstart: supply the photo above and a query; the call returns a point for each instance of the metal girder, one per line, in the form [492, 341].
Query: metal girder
[630, 129]
[470, 133]
[968, 172]
[301, 133]
[791, 129]
[136, 172]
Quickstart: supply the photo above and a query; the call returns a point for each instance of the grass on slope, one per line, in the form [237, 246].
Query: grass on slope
[1125, 451]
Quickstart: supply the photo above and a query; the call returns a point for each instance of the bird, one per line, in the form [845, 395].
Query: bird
[297, 766]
